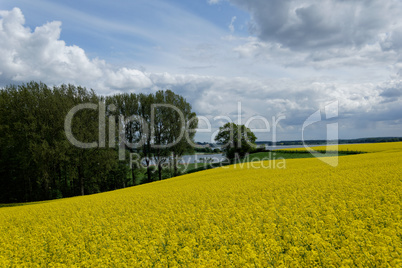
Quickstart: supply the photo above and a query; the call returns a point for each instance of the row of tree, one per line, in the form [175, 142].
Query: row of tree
[38, 160]
[159, 128]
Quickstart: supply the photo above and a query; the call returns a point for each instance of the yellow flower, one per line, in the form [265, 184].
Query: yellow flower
[309, 214]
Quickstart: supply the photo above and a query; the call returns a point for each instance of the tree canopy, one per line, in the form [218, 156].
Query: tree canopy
[236, 140]
[38, 161]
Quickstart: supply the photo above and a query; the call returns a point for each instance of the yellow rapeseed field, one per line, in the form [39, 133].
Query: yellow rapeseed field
[305, 214]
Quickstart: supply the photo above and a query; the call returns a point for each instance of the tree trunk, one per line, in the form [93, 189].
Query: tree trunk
[174, 165]
[149, 173]
[68, 190]
[82, 185]
[160, 170]
[148, 169]
[147, 155]
[133, 175]
[29, 189]
[81, 180]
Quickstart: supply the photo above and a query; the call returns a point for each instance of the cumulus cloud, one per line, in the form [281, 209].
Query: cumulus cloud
[360, 104]
[40, 55]
[321, 24]
[323, 34]
[391, 92]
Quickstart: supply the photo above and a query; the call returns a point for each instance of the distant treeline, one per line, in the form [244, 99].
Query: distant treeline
[341, 141]
[38, 162]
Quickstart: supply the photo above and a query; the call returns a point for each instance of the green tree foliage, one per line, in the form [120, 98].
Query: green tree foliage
[236, 140]
[38, 162]
[163, 131]
[180, 127]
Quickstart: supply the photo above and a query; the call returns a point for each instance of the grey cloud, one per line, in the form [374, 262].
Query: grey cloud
[297, 100]
[392, 40]
[41, 55]
[310, 24]
[392, 93]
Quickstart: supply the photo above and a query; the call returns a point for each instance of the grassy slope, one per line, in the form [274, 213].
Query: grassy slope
[262, 156]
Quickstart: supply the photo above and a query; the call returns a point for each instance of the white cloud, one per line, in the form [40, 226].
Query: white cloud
[311, 24]
[127, 79]
[324, 34]
[361, 104]
[40, 55]
[231, 25]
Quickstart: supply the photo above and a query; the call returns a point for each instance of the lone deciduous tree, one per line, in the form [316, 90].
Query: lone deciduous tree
[237, 140]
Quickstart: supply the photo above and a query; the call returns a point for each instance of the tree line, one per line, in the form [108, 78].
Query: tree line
[39, 162]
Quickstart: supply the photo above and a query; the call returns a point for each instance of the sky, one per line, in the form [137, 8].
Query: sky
[268, 64]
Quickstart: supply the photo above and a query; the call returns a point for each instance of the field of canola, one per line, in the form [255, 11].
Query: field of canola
[308, 214]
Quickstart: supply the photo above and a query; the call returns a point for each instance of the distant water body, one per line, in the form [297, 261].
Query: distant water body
[216, 158]
[277, 147]
[198, 158]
